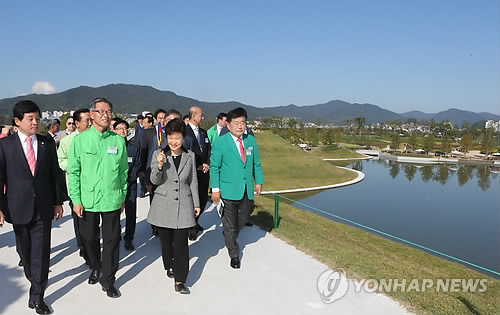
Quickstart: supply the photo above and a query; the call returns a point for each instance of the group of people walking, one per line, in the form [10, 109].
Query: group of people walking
[178, 163]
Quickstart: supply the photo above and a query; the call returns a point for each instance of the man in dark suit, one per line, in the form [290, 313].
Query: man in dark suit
[149, 144]
[197, 141]
[33, 196]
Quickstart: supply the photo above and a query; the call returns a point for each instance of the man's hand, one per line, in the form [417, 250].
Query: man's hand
[122, 207]
[258, 189]
[2, 217]
[78, 210]
[197, 212]
[205, 167]
[215, 196]
[58, 212]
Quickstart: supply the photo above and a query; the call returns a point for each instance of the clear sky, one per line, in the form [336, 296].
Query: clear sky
[401, 55]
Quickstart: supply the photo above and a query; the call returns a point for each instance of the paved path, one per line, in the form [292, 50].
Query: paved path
[275, 278]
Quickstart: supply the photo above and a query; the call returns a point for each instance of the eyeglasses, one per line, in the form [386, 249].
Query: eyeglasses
[103, 112]
[70, 123]
[121, 128]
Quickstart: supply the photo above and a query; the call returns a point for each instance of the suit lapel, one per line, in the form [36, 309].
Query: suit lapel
[233, 147]
[195, 145]
[41, 153]
[246, 145]
[184, 158]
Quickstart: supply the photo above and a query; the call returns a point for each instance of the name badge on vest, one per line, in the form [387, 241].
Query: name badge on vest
[130, 159]
[112, 150]
[206, 140]
[249, 151]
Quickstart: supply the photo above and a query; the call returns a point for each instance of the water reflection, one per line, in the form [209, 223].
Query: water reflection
[441, 173]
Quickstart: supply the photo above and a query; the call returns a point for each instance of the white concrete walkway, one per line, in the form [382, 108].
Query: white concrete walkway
[275, 278]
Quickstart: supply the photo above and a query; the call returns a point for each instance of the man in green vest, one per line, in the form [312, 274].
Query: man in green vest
[234, 166]
[214, 132]
[97, 179]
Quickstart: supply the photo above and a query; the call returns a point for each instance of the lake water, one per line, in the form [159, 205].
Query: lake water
[453, 209]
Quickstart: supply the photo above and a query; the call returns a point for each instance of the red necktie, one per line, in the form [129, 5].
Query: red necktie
[30, 155]
[242, 150]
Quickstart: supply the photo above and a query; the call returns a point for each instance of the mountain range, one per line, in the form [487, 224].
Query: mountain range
[128, 98]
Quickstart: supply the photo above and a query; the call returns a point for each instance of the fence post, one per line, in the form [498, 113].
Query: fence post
[276, 210]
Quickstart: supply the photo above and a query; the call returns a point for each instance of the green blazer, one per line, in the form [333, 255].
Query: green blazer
[212, 134]
[229, 173]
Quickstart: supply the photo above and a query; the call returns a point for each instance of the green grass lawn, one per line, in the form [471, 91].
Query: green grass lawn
[286, 166]
[367, 256]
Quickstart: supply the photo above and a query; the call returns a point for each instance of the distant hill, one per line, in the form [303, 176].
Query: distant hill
[128, 98]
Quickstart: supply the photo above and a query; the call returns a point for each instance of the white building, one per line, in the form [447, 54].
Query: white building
[493, 124]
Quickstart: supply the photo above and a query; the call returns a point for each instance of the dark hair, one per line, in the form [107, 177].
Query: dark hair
[149, 119]
[53, 122]
[99, 100]
[140, 117]
[120, 121]
[14, 123]
[24, 107]
[184, 117]
[235, 113]
[77, 115]
[158, 111]
[148, 115]
[221, 115]
[175, 125]
[116, 118]
[173, 112]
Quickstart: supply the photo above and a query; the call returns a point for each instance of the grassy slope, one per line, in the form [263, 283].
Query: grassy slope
[286, 166]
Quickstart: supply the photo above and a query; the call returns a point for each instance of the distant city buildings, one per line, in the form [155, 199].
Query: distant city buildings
[493, 124]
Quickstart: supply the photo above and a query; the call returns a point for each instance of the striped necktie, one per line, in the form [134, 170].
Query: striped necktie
[30, 155]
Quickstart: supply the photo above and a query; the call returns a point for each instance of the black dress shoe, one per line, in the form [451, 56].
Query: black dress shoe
[235, 263]
[170, 273]
[181, 288]
[111, 292]
[248, 224]
[20, 264]
[40, 307]
[94, 277]
[193, 236]
[128, 245]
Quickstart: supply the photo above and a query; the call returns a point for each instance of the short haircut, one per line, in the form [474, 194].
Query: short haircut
[99, 100]
[148, 115]
[23, 107]
[158, 111]
[77, 115]
[69, 117]
[140, 117]
[175, 125]
[221, 115]
[119, 122]
[173, 112]
[184, 117]
[52, 123]
[14, 123]
[149, 119]
[235, 113]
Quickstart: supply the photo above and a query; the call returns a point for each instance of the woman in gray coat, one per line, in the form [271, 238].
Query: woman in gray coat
[175, 203]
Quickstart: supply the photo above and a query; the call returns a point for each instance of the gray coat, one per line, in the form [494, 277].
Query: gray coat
[177, 193]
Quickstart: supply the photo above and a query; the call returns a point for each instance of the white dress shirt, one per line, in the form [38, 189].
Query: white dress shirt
[34, 143]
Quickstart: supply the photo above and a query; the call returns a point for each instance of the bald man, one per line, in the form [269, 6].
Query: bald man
[197, 141]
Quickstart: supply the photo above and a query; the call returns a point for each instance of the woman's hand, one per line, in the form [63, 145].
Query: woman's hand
[160, 158]
[197, 212]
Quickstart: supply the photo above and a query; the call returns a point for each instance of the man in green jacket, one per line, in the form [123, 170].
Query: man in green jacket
[81, 117]
[97, 179]
[234, 166]
[214, 132]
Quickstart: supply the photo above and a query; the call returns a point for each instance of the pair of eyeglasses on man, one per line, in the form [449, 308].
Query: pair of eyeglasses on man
[70, 123]
[103, 112]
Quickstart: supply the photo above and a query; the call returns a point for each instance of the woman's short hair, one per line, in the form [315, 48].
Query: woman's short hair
[175, 125]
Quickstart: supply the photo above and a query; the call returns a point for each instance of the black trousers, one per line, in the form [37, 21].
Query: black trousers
[175, 251]
[130, 212]
[89, 229]
[78, 236]
[203, 184]
[235, 216]
[33, 245]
